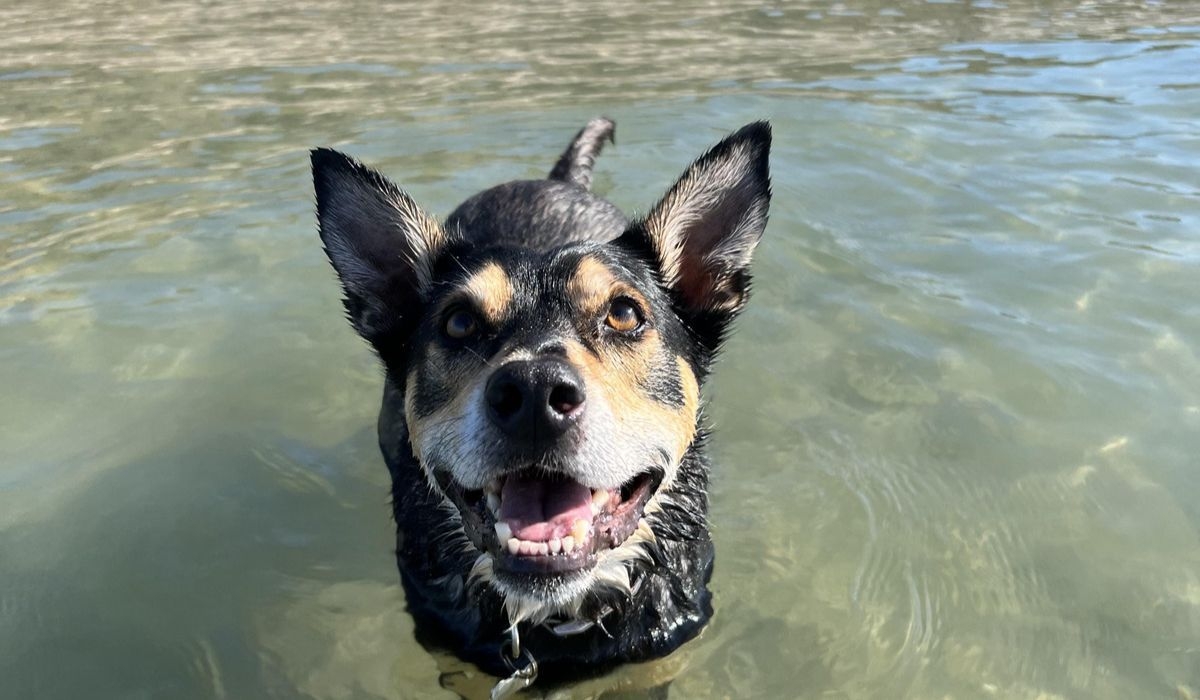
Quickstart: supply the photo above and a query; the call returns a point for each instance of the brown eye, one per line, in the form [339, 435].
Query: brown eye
[461, 324]
[623, 316]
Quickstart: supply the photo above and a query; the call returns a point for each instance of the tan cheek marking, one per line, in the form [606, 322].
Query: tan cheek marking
[492, 290]
[691, 398]
[458, 381]
[681, 422]
[619, 376]
[591, 285]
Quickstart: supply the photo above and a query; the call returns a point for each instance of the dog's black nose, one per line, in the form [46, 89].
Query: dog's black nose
[534, 401]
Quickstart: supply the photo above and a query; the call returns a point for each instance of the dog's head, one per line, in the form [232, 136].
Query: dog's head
[550, 395]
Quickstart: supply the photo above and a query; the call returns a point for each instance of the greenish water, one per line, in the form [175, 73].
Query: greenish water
[958, 427]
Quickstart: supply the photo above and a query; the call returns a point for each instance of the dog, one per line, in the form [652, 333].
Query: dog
[542, 418]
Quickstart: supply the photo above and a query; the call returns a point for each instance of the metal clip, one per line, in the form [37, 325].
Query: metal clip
[522, 677]
[572, 627]
[566, 629]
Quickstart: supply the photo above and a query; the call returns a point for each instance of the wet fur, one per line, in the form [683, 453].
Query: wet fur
[552, 255]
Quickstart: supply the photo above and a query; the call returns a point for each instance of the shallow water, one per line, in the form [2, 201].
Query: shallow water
[957, 426]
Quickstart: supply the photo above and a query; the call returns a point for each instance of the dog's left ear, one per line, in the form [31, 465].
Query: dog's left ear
[703, 232]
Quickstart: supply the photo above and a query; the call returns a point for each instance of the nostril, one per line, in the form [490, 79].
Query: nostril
[505, 399]
[565, 398]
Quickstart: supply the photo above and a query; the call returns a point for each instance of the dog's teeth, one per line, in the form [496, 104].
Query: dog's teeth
[568, 544]
[503, 532]
[528, 549]
[580, 530]
[493, 501]
[599, 500]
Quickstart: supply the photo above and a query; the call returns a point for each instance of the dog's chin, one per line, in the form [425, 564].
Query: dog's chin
[529, 594]
[549, 539]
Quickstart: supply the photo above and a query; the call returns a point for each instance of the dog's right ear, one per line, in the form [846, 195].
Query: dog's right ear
[702, 233]
[379, 241]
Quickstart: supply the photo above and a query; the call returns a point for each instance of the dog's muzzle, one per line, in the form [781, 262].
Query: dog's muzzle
[532, 516]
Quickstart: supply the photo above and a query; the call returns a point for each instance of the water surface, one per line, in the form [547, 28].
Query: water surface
[958, 426]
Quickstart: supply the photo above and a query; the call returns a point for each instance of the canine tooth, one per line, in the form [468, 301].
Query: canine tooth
[600, 499]
[493, 501]
[568, 544]
[579, 530]
[513, 544]
[555, 546]
[503, 531]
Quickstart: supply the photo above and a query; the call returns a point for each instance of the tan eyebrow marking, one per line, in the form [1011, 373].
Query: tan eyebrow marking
[491, 289]
[593, 286]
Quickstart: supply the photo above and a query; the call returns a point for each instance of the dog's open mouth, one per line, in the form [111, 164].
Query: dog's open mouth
[535, 522]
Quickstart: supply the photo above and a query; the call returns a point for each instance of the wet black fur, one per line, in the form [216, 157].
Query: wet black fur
[535, 230]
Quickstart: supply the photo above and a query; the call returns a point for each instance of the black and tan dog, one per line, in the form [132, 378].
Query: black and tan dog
[541, 416]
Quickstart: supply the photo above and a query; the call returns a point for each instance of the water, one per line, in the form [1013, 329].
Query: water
[958, 424]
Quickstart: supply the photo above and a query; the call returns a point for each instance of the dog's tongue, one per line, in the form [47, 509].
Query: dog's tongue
[539, 510]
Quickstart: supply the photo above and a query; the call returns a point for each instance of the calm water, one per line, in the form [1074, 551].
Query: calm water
[959, 425]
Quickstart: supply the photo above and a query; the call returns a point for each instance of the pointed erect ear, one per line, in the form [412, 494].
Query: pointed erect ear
[379, 241]
[703, 232]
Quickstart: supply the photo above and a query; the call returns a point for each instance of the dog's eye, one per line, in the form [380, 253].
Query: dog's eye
[461, 324]
[623, 316]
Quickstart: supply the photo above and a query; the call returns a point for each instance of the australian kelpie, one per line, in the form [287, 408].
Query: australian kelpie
[542, 417]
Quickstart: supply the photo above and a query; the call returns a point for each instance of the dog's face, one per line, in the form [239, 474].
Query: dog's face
[550, 395]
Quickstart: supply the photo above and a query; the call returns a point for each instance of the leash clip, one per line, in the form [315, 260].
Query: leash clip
[522, 676]
[514, 643]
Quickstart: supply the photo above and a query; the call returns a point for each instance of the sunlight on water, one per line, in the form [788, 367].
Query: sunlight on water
[956, 428]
